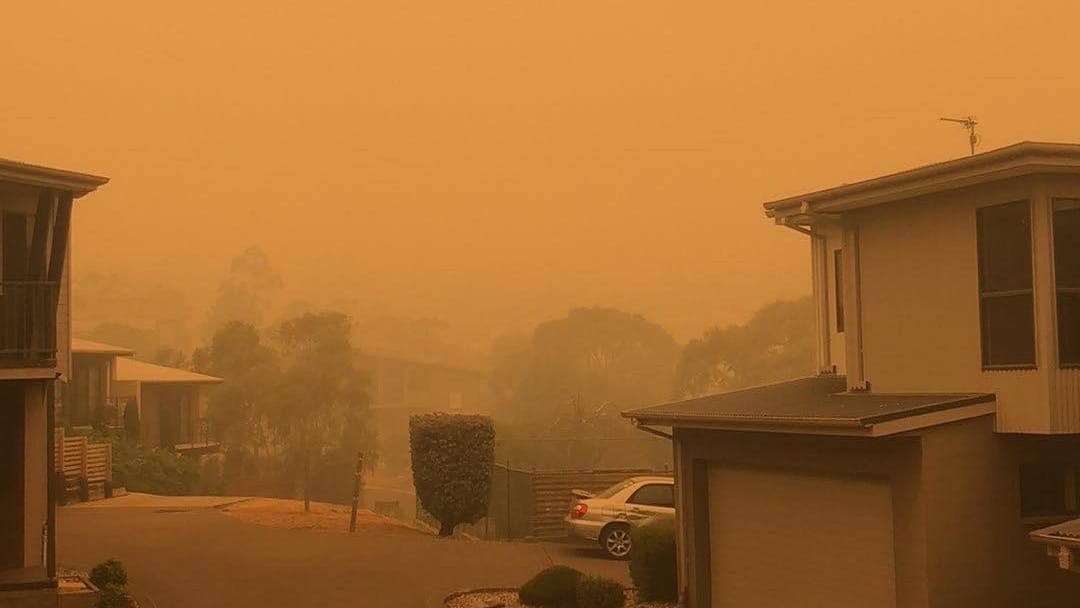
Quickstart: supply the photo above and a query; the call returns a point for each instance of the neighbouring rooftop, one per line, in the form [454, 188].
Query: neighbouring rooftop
[82, 346]
[818, 404]
[130, 370]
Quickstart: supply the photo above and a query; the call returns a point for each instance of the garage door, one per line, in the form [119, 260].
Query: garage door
[779, 540]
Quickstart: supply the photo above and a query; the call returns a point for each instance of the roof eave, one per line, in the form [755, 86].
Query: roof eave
[79, 184]
[1013, 161]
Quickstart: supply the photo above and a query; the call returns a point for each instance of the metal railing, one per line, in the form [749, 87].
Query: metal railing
[28, 323]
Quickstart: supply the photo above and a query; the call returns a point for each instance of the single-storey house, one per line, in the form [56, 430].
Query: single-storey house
[943, 425]
[159, 405]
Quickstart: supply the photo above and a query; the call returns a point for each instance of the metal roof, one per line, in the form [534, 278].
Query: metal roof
[130, 370]
[1065, 534]
[80, 346]
[1024, 158]
[47, 177]
[818, 402]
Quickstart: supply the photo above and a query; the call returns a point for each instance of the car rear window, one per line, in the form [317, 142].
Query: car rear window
[654, 495]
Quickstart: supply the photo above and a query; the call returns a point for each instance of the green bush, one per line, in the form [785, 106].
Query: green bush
[108, 572]
[554, 587]
[115, 596]
[598, 592]
[452, 459]
[152, 470]
[652, 561]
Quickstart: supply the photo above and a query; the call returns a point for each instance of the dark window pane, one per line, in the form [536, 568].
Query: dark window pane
[1008, 330]
[838, 274]
[1068, 312]
[1042, 489]
[1067, 243]
[654, 495]
[1004, 247]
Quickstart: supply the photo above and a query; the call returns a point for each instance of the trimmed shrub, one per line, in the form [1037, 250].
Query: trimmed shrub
[554, 587]
[599, 592]
[115, 596]
[109, 572]
[652, 561]
[452, 459]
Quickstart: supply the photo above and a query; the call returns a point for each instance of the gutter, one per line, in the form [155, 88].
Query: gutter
[651, 431]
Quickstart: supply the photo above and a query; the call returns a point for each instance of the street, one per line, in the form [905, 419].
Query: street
[186, 553]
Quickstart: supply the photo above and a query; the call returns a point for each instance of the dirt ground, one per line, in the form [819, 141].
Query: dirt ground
[324, 517]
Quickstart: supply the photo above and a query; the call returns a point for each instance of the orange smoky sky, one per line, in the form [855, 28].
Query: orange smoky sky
[495, 163]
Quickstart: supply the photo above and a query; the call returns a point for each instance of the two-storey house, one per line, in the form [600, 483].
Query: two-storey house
[944, 424]
[35, 220]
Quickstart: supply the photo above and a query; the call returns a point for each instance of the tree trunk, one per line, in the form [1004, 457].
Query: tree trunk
[307, 481]
[446, 529]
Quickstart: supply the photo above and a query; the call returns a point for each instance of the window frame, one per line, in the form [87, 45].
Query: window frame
[1058, 289]
[630, 499]
[984, 294]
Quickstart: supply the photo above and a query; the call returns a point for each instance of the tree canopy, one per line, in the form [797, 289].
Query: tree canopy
[777, 343]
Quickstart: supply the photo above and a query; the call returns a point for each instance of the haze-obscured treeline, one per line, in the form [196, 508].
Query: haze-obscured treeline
[557, 389]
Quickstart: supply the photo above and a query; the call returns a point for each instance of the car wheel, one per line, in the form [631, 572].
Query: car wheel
[616, 541]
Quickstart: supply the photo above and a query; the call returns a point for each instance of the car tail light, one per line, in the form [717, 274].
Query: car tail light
[579, 510]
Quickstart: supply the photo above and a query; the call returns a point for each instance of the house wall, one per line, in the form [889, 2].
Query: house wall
[920, 304]
[897, 460]
[961, 539]
[36, 478]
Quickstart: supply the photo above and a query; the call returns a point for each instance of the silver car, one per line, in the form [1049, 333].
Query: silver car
[607, 517]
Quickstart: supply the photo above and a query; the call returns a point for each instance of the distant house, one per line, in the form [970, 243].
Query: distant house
[402, 386]
[159, 405]
[35, 314]
[945, 423]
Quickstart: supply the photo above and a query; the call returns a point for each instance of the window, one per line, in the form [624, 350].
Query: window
[1067, 279]
[1049, 490]
[838, 278]
[1006, 300]
[654, 495]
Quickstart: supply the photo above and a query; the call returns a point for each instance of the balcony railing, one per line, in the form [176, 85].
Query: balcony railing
[28, 323]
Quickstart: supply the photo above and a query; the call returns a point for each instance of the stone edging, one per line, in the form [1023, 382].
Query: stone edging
[462, 592]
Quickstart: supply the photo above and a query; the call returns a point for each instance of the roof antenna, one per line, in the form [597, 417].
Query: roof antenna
[968, 122]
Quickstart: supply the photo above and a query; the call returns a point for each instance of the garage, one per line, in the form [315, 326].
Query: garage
[781, 539]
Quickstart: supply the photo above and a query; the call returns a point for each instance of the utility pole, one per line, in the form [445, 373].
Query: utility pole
[969, 123]
[356, 490]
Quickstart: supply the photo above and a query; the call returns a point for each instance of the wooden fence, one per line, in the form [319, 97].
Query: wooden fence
[552, 498]
[85, 467]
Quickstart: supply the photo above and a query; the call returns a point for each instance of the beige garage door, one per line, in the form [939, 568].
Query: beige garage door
[780, 540]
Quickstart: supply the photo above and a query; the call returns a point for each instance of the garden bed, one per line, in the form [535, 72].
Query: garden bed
[508, 598]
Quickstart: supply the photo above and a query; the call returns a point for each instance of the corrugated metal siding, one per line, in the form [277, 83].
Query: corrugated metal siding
[552, 498]
[1068, 400]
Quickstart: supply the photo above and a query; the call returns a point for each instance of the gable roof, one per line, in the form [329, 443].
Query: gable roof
[131, 370]
[80, 346]
[1024, 158]
[817, 405]
[38, 176]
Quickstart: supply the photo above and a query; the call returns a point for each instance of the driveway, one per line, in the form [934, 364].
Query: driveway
[184, 552]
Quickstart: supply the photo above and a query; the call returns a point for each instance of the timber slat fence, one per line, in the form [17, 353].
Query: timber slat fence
[82, 465]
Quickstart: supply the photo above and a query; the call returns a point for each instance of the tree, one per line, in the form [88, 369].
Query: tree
[250, 372]
[452, 460]
[321, 401]
[592, 359]
[777, 343]
[246, 293]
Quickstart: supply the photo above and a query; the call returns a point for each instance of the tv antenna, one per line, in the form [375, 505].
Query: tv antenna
[969, 123]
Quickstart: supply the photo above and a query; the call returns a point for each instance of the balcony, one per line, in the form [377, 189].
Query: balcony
[28, 323]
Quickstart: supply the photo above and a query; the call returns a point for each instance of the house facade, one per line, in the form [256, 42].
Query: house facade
[944, 425]
[157, 405]
[35, 313]
[402, 386]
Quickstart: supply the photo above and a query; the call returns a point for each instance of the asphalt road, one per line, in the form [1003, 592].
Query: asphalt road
[190, 555]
